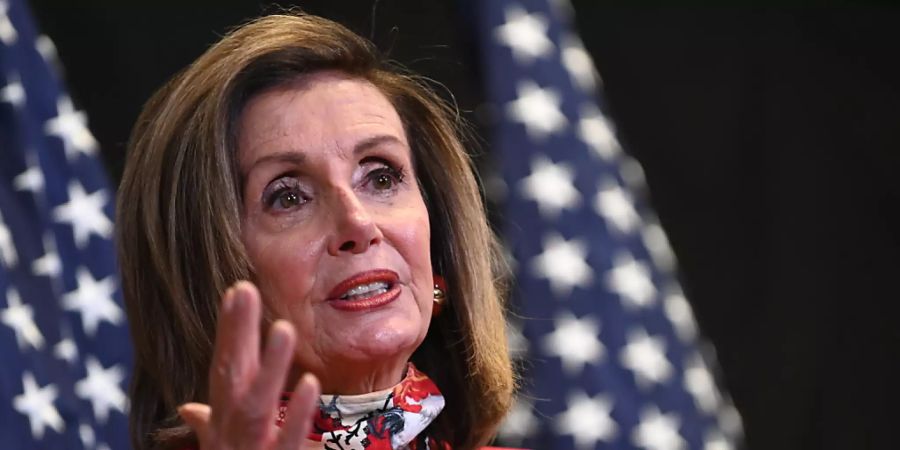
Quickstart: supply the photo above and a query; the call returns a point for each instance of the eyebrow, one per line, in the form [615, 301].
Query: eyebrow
[288, 156]
[375, 141]
[294, 157]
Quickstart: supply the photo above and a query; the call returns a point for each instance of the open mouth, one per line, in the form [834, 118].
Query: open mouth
[366, 290]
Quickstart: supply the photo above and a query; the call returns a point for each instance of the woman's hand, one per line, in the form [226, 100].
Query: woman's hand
[244, 388]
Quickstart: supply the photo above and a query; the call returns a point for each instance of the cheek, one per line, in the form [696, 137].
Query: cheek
[416, 249]
[417, 243]
[283, 269]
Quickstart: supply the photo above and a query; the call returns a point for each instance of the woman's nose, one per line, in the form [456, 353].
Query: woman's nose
[354, 230]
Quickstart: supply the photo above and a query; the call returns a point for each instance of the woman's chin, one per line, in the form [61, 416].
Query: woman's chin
[394, 339]
[387, 342]
[397, 328]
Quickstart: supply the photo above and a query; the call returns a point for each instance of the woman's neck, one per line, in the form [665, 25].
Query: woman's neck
[353, 379]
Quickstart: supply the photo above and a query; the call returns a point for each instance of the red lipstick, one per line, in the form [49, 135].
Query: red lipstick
[385, 276]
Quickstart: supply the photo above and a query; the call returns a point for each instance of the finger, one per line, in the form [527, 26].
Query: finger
[197, 416]
[256, 419]
[236, 355]
[299, 414]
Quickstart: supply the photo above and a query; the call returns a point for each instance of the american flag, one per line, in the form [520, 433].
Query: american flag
[63, 337]
[608, 343]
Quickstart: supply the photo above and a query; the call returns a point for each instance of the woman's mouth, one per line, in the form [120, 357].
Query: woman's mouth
[365, 290]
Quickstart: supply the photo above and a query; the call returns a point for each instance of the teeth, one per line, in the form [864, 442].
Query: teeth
[366, 290]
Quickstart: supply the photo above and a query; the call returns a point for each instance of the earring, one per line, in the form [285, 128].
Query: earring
[440, 294]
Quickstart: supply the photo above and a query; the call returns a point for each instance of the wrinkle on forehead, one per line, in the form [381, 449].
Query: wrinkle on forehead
[268, 117]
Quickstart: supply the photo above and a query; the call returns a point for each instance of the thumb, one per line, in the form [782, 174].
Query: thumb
[196, 416]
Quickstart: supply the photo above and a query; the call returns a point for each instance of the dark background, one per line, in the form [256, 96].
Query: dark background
[771, 144]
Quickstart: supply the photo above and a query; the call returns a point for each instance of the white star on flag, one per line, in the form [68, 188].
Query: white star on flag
[595, 130]
[646, 356]
[66, 350]
[509, 258]
[563, 8]
[616, 207]
[85, 213]
[587, 420]
[20, 318]
[538, 109]
[520, 422]
[101, 388]
[658, 431]
[32, 179]
[525, 34]
[89, 438]
[495, 188]
[93, 300]
[13, 93]
[8, 34]
[37, 404]
[576, 341]
[678, 310]
[715, 440]
[631, 280]
[8, 255]
[699, 382]
[518, 345]
[86, 434]
[563, 264]
[658, 245]
[729, 419]
[71, 126]
[551, 186]
[47, 49]
[578, 63]
[48, 264]
[632, 173]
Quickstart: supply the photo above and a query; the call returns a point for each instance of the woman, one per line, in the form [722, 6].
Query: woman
[292, 156]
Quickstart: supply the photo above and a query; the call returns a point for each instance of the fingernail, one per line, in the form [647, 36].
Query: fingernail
[310, 380]
[228, 300]
[239, 299]
[278, 337]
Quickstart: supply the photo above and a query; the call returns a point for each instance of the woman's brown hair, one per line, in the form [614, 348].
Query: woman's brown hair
[179, 226]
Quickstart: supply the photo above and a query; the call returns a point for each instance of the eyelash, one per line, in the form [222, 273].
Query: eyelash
[396, 174]
[281, 186]
[287, 184]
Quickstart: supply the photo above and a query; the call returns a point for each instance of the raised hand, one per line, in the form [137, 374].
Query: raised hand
[245, 387]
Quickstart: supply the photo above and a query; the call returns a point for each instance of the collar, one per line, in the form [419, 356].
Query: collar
[391, 419]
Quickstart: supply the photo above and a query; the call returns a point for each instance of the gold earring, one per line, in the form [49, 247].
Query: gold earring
[440, 294]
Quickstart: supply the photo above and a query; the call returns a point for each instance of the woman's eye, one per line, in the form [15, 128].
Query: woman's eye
[385, 178]
[284, 194]
[383, 181]
[288, 200]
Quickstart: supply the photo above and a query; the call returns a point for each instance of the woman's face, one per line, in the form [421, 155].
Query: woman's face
[336, 228]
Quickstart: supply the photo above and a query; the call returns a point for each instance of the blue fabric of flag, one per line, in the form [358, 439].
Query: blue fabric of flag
[609, 348]
[63, 336]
